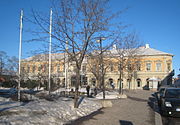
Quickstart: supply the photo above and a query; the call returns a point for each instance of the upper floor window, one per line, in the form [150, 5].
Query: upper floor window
[138, 66]
[111, 67]
[63, 67]
[40, 68]
[148, 66]
[58, 68]
[34, 69]
[158, 66]
[28, 69]
[84, 68]
[169, 66]
[94, 68]
[129, 67]
[45, 66]
[22, 69]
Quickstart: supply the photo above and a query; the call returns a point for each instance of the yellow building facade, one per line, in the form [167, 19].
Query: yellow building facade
[148, 68]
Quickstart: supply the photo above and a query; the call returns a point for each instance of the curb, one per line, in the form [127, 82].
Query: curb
[158, 119]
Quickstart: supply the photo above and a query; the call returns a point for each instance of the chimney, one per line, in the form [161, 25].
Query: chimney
[114, 47]
[147, 46]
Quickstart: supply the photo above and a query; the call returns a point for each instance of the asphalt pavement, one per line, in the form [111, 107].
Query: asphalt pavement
[137, 109]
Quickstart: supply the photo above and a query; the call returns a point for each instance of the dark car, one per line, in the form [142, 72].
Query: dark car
[170, 102]
[160, 92]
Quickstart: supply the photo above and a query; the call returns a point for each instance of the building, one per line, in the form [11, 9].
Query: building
[146, 69]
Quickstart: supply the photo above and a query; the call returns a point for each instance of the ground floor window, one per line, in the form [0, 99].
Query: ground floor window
[138, 82]
[147, 82]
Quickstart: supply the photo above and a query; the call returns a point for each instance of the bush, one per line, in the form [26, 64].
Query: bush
[30, 84]
[9, 84]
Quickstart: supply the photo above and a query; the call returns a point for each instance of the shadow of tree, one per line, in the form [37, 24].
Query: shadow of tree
[10, 107]
[137, 99]
[123, 122]
[152, 102]
[81, 119]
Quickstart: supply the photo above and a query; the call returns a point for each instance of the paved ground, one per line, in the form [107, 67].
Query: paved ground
[135, 110]
[170, 121]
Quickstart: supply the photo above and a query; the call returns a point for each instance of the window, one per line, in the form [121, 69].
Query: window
[120, 67]
[84, 68]
[169, 66]
[158, 66]
[138, 67]
[63, 68]
[45, 67]
[138, 82]
[111, 67]
[28, 69]
[148, 66]
[94, 68]
[22, 69]
[34, 69]
[129, 67]
[40, 68]
[58, 68]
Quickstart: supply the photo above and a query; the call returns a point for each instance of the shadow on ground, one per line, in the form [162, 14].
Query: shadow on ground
[2, 110]
[123, 122]
[152, 102]
[90, 116]
[137, 99]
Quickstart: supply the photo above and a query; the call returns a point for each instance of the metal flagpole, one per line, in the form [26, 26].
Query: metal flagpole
[20, 53]
[66, 66]
[50, 31]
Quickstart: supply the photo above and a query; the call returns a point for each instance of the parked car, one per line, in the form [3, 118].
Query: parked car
[170, 102]
[160, 92]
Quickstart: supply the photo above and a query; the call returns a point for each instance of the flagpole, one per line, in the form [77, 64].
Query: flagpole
[50, 31]
[20, 53]
[66, 66]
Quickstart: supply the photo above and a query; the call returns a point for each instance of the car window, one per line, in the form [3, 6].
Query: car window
[161, 90]
[173, 93]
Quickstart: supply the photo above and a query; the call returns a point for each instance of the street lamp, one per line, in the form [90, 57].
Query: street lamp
[120, 76]
[102, 64]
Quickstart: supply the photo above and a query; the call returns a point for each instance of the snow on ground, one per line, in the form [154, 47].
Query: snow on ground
[45, 112]
[110, 95]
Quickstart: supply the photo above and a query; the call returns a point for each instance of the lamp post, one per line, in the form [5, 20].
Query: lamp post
[121, 73]
[101, 65]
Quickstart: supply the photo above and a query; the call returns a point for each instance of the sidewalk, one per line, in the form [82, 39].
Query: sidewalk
[135, 110]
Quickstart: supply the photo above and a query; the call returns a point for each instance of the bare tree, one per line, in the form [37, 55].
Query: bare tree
[126, 50]
[98, 62]
[12, 65]
[3, 62]
[76, 27]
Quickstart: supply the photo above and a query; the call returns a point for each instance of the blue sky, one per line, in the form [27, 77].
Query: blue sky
[157, 23]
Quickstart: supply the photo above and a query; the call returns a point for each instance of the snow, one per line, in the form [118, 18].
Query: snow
[110, 95]
[43, 112]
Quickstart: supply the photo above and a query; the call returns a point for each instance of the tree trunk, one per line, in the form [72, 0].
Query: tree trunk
[103, 88]
[76, 96]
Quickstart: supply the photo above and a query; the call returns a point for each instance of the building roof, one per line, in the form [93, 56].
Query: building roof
[45, 57]
[142, 51]
[150, 51]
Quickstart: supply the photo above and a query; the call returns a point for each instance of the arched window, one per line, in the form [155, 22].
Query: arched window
[93, 81]
[110, 80]
[138, 82]
[147, 82]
